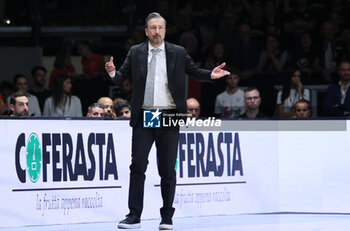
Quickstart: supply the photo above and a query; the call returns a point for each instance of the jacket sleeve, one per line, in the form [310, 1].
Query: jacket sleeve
[124, 71]
[195, 72]
[330, 105]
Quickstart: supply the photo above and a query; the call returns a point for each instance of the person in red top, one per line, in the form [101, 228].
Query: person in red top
[93, 64]
[3, 105]
[62, 66]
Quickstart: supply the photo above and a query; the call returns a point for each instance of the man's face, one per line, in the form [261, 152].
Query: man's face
[40, 77]
[344, 71]
[193, 108]
[124, 113]
[252, 99]
[232, 80]
[96, 112]
[108, 104]
[21, 85]
[302, 110]
[21, 106]
[155, 31]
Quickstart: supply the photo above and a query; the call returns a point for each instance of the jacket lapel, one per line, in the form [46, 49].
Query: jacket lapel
[143, 60]
[170, 54]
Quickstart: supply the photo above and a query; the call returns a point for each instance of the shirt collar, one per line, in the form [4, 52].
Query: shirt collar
[347, 86]
[150, 47]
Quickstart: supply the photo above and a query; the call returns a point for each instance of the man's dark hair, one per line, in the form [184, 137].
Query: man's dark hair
[343, 60]
[95, 105]
[153, 15]
[15, 96]
[36, 68]
[251, 89]
[120, 104]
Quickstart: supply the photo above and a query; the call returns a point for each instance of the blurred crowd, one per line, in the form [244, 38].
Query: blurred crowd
[267, 43]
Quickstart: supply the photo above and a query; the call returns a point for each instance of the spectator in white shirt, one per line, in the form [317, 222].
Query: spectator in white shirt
[62, 103]
[230, 103]
[292, 92]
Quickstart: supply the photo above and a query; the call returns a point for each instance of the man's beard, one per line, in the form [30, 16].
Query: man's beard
[23, 113]
[157, 42]
[108, 114]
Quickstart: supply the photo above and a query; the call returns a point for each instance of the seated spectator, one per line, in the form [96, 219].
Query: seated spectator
[20, 82]
[302, 109]
[245, 52]
[216, 56]
[62, 103]
[122, 109]
[193, 107]
[252, 101]
[62, 66]
[304, 56]
[274, 58]
[256, 19]
[337, 98]
[299, 18]
[292, 92]
[39, 89]
[93, 64]
[331, 52]
[230, 103]
[108, 104]
[96, 110]
[19, 104]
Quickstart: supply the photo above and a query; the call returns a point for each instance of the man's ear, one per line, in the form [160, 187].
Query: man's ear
[12, 107]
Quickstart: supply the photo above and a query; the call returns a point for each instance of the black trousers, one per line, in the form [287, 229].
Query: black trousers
[166, 141]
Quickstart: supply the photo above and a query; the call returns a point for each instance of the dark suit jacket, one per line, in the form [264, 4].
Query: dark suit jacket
[178, 63]
[332, 105]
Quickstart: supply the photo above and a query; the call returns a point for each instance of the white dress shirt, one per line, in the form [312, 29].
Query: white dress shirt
[162, 97]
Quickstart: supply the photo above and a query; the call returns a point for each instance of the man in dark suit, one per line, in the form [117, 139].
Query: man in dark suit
[157, 70]
[337, 99]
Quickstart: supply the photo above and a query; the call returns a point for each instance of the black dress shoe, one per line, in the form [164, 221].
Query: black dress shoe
[166, 224]
[130, 222]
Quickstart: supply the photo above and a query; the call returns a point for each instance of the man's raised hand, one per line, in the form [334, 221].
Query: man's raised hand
[110, 68]
[218, 72]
